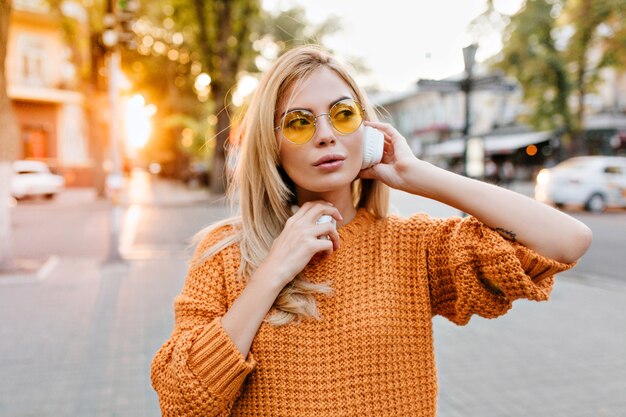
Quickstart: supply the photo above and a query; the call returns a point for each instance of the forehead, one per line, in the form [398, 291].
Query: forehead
[322, 87]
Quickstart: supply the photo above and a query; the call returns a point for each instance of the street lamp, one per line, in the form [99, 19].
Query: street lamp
[114, 181]
[469, 58]
[473, 150]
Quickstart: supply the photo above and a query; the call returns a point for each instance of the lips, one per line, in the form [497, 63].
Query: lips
[328, 159]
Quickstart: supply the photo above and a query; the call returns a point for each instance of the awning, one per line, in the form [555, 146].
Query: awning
[495, 144]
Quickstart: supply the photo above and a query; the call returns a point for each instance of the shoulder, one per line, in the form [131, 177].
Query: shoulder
[212, 235]
[414, 224]
[395, 230]
[212, 241]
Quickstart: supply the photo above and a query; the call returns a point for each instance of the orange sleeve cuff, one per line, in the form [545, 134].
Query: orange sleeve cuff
[536, 266]
[216, 360]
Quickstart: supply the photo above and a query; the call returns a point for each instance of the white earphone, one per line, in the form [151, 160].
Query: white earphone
[373, 145]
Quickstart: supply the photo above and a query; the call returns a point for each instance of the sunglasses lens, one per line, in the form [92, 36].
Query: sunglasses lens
[346, 116]
[298, 126]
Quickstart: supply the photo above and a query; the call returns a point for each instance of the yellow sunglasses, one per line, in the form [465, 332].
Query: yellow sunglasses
[298, 126]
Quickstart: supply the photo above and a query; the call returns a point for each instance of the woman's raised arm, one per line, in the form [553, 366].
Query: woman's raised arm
[537, 226]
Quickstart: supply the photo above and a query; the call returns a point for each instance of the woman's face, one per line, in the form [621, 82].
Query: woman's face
[318, 94]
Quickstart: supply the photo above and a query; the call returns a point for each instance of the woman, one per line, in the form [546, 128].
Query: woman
[281, 315]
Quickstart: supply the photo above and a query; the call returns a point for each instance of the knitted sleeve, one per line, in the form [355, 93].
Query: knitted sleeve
[199, 371]
[474, 270]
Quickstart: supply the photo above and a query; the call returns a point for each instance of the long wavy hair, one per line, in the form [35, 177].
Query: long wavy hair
[260, 191]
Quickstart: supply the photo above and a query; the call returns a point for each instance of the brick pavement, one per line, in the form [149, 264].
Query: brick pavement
[566, 357]
[80, 341]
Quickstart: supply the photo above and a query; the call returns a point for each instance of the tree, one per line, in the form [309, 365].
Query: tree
[224, 29]
[222, 41]
[587, 17]
[9, 143]
[531, 55]
[556, 49]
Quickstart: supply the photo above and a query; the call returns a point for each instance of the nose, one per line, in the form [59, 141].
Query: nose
[324, 132]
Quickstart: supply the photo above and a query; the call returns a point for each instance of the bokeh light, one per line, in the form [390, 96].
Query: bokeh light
[138, 121]
[531, 150]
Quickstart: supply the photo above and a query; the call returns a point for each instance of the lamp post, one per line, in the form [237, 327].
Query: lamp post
[114, 181]
[473, 149]
[469, 58]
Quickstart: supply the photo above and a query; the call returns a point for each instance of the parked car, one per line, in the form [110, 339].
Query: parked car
[593, 182]
[33, 178]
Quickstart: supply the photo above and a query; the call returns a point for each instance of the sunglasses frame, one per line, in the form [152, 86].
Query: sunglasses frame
[359, 106]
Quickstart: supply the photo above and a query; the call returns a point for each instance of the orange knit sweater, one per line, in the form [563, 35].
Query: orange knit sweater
[371, 353]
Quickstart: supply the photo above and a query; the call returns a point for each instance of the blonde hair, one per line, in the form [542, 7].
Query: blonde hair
[264, 191]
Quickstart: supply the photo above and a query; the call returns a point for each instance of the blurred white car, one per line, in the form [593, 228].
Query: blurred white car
[593, 182]
[33, 178]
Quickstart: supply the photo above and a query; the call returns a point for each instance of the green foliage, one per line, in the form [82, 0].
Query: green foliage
[530, 54]
[177, 40]
[548, 47]
[223, 39]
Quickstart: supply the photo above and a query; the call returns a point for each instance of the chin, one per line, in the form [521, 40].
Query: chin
[319, 182]
[327, 184]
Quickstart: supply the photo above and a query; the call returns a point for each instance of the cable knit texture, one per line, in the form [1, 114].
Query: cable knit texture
[371, 354]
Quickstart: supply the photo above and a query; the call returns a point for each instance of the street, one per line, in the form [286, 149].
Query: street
[78, 338]
[76, 225]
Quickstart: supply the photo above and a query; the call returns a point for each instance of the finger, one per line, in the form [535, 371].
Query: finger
[306, 207]
[388, 146]
[367, 173]
[329, 232]
[325, 230]
[334, 237]
[384, 127]
[393, 138]
[319, 210]
[323, 245]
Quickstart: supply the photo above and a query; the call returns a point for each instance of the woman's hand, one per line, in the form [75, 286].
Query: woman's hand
[301, 239]
[395, 166]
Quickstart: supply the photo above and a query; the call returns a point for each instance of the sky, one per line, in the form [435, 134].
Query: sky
[403, 41]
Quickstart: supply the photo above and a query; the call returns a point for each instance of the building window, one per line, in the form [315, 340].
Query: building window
[31, 53]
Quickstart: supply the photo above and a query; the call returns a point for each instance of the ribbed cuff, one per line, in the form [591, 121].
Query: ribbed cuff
[215, 359]
[538, 267]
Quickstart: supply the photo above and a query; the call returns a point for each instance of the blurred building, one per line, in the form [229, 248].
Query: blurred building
[605, 115]
[42, 84]
[433, 122]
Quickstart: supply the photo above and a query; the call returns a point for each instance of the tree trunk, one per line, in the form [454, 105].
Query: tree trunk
[218, 179]
[580, 111]
[568, 126]
[9, 144]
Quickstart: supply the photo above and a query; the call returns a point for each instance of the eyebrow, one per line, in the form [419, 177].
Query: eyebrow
[310, 110]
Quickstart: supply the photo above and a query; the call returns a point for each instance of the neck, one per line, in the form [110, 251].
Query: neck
[342, 199]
